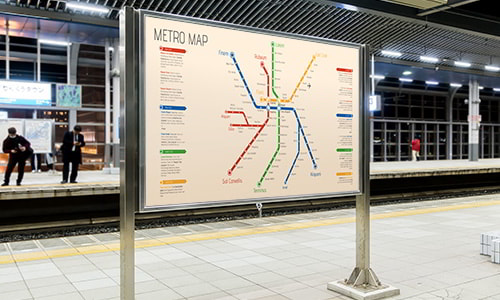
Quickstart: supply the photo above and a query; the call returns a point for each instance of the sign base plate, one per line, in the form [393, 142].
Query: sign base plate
[363, 293]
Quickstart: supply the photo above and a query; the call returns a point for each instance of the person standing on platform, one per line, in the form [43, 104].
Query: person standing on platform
[415, 149]
[36, 162]
[19, 150]
[72, 153]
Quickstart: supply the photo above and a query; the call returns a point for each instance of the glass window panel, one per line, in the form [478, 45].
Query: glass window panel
[93, 96]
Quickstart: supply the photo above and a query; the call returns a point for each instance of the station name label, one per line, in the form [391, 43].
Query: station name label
[180, 37]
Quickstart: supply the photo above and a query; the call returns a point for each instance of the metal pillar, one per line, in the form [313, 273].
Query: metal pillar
[449, 119]
[129, 159]
[68, 63]
[38, 55]
[398, 143]
[363, 283]
[492, 142]
[7, 49]
[73, 66]
[385, 141]
[372, 137]
[116, 103]
[424, 140]
[474, 119]
[436, 138]
[107, 105]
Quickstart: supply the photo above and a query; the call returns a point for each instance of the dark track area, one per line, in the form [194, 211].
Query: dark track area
[62, 216]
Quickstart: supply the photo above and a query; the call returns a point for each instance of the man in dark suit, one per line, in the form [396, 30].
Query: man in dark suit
[19, 150]
[72, 153]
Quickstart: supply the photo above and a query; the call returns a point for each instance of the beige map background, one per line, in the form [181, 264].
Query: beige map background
[211, 86]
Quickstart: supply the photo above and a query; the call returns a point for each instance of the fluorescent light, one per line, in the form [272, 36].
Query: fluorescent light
[86, 7]
[111, 49]
[481, 87]
[457, 85]
[432, 82]
[492, 68]
[496, 89]
[391, 53]
[429, 59]
[405, 79]
[55, 43]
[381, 77]
[406, 73]
[348, 7]
[462, 64]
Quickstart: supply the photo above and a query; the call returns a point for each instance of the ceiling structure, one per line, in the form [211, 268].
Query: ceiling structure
[384, 25]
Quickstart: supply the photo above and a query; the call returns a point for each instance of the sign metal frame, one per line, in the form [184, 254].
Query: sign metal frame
[131, 151]
[362, 76]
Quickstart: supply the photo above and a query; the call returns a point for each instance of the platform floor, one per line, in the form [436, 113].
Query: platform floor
[398, 169]
[378, 170]
[46, 178]
[430, 250]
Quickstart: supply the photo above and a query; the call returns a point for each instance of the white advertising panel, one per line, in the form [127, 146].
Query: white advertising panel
[5, 124]
[39, 134]
[25, 93]
[235, 115]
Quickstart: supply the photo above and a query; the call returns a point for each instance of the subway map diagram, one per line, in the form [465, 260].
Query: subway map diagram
[273, 103]
[243, 115]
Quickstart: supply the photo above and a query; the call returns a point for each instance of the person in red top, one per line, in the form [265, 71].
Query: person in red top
[415, 149]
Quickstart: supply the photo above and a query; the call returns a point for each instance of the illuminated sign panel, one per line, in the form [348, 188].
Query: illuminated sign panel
[25, 93]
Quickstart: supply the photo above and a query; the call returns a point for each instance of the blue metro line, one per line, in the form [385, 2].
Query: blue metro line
[300, 130]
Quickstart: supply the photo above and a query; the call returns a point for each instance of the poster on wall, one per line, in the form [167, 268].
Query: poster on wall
[232, 114]
[39, 134]
[5, 124]
[25, 93]
[68, 95]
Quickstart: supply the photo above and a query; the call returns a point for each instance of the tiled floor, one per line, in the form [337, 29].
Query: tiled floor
[429, 250]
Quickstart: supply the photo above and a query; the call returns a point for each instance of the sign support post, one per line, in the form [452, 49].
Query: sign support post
[129, 160]
[363, 283]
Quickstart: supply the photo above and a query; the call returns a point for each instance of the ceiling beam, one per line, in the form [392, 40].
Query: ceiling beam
[488, 28]
[451, 4]
[53, 15]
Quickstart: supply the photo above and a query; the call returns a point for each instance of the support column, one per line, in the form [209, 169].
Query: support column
[398, 143]
[116, 103]
[473, 119]
[372, 137]
[492, 142]
[424, 140]
[7, 49]
[436, 138]
[363, 283]
[72, 60]
[449, 126]
[38, 56]
[107, 106]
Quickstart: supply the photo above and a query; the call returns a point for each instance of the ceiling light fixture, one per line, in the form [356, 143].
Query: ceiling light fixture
[87, 7]
[432, 82]
[492, 68]
[406, 73]
[391, 53]
[429, 59]
[405, 79]
[381, 77]
[54, 43]
[496, 89]
[462, 64]
[457, 85]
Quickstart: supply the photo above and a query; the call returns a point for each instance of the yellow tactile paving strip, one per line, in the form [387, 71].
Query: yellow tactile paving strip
[40, 255]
